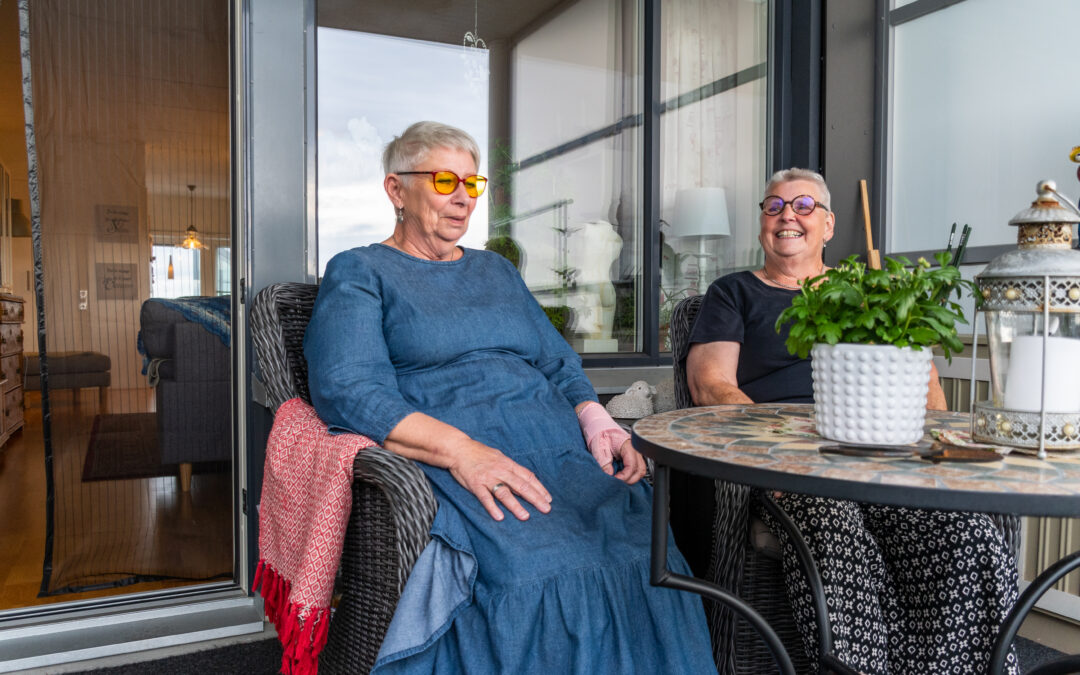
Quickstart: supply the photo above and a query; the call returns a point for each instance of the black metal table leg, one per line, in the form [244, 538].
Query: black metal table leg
[1034, 591]
[660, 575]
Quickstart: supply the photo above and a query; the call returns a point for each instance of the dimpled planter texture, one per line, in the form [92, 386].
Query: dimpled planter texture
[870, 394]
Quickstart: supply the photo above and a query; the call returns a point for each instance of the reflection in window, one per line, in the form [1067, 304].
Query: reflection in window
[576, 194]
[356, 122]
[979, 114]
[563, 149]
[712, 143]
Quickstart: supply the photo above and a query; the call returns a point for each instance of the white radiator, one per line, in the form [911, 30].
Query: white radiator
[1047, 540]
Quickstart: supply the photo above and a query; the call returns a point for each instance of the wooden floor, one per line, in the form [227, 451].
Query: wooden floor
[108, 527]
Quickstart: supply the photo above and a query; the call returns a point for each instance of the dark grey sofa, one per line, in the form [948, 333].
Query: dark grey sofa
[189, 369]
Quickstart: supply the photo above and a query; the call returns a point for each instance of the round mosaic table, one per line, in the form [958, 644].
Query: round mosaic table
[775, 447]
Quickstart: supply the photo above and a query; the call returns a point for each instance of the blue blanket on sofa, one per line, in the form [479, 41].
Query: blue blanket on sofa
[212, 312]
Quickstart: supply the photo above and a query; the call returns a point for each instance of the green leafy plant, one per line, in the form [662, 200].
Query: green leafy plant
[501, 166]
[506, 247]
[559, 316]
[904, 305]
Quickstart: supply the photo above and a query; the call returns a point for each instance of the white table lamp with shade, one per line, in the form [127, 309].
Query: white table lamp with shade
[700, 212]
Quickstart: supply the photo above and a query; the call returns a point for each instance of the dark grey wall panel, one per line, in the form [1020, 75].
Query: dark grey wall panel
[848, 142]
[281, 138]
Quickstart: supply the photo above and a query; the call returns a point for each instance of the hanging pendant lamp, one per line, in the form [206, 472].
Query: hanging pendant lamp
[192, 239]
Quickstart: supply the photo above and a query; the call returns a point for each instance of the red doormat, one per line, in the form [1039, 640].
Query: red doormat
[125, 446]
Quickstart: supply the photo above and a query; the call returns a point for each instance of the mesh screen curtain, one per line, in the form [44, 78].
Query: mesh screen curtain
[127, 107]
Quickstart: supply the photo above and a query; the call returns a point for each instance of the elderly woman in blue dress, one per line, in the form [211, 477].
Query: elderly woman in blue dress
[441, 354]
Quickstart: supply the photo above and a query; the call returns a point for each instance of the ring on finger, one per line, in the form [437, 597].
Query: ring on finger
[496, 487]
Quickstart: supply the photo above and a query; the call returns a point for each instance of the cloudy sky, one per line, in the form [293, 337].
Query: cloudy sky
[371, 87]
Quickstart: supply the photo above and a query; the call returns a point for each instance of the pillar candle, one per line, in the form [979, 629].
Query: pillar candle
[1023, 381]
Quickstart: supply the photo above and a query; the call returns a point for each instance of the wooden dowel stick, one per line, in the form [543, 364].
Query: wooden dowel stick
[873, 256]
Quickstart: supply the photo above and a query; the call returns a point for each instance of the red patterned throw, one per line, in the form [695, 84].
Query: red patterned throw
[303, 511]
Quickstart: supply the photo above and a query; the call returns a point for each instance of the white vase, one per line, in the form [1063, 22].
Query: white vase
[870, 394]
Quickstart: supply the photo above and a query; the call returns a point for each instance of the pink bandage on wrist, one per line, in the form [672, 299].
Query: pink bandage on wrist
[602, 434]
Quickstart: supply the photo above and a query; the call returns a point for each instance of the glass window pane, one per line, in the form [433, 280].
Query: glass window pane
[982, 109]
[174, 272]
[713, 143]
[223, 275]
[575, 202]
[361, 109]
[563, 143]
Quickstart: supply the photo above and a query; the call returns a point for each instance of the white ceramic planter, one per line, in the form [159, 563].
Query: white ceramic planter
[870, 394]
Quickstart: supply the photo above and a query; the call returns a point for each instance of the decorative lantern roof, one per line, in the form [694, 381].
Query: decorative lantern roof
[1014, 279]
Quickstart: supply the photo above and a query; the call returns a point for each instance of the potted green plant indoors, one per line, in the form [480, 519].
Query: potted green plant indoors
[870, 334]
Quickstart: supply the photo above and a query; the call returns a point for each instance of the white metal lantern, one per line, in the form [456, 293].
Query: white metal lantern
[1031, 300]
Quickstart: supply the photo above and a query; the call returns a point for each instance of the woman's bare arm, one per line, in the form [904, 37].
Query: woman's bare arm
[711, 369]
[935, 398]
[477, 467]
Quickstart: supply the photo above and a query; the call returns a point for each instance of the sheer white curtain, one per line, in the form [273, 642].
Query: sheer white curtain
[713, 130]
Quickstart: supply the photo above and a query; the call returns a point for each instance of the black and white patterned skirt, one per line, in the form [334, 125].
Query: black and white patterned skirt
[907, 590]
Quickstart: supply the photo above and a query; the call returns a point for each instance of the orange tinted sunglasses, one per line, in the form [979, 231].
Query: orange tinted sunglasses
[445, 182]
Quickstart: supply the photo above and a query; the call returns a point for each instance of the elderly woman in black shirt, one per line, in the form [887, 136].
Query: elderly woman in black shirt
[908, 590]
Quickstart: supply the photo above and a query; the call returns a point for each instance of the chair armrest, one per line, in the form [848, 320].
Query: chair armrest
[411, 501]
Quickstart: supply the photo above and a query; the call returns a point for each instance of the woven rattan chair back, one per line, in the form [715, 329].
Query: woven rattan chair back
[392, 502]
[279, 316]
[682, 322]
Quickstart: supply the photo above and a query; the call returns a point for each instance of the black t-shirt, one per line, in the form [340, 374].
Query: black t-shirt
[741, 308]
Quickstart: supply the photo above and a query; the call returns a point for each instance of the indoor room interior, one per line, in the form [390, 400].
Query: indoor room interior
[125, 485]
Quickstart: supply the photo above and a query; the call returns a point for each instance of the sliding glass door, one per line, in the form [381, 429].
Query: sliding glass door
[124, 465]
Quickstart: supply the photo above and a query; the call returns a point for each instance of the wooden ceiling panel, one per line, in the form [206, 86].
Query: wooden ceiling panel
[435, 20]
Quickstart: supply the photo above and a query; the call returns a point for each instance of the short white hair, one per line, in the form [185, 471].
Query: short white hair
[414, 144]
[793, 174]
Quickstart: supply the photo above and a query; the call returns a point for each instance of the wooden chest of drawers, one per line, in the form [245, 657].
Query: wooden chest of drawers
[11, 366]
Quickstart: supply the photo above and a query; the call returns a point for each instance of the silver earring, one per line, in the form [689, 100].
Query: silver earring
[824, 244]
[400, 214]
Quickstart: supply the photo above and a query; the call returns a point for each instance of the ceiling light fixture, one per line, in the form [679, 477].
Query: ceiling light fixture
[192, 238]
[474, 55]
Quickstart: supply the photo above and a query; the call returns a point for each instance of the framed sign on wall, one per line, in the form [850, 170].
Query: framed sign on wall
[116, 281]
[115, 223]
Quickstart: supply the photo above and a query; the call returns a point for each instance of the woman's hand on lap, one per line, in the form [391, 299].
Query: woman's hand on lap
[494, 478]
[634, 466]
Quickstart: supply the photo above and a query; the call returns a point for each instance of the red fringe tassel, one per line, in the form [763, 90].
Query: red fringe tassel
[303, 637]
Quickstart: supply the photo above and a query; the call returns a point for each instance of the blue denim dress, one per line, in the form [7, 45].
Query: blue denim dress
[564, 592]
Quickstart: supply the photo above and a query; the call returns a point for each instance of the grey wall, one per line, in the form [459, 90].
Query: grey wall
[276, 189]
[282, 120]
[848, 129]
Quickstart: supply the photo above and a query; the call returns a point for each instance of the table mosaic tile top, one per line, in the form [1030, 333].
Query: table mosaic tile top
[782, 438]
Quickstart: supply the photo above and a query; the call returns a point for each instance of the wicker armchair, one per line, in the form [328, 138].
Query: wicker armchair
[393, 505]
[754, 572]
